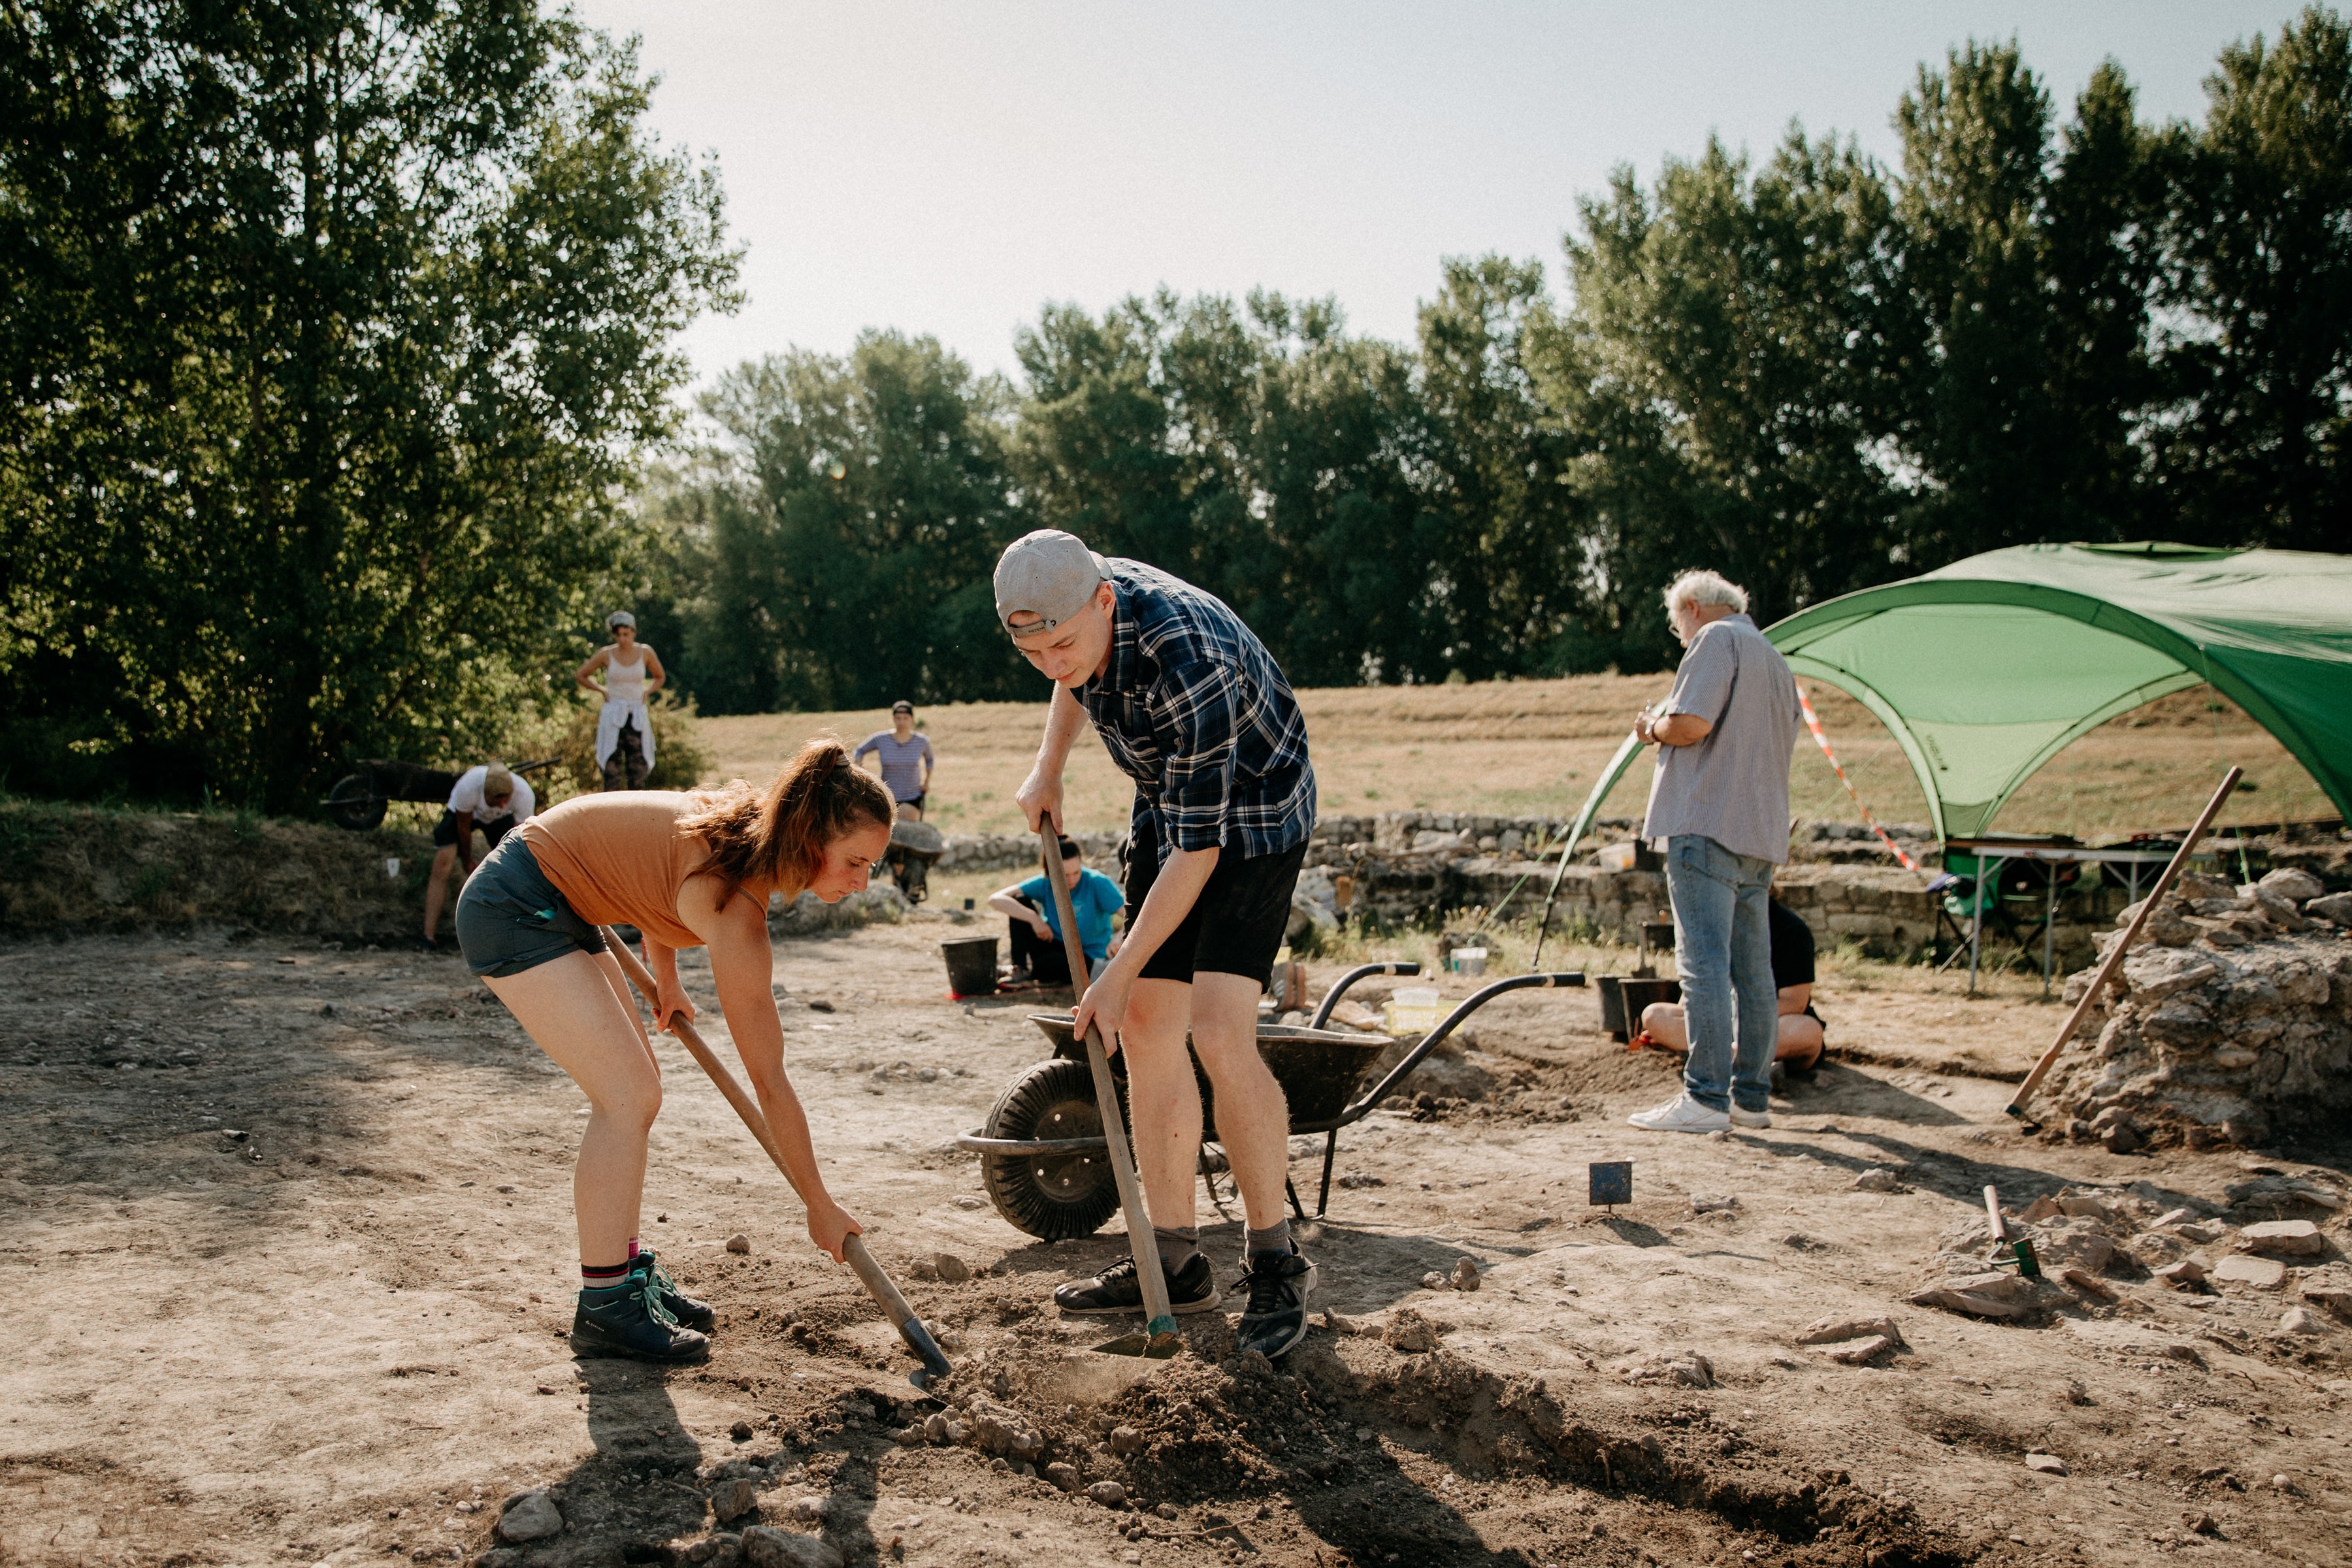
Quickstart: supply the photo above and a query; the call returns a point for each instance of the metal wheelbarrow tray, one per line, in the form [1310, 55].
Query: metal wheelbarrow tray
[1042, 1152]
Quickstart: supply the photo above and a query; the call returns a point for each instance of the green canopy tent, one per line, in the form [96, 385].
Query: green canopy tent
[1985, 670]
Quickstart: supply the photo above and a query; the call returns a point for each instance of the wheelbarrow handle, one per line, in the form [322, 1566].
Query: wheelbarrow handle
[1339, 986]
[1445, 1026]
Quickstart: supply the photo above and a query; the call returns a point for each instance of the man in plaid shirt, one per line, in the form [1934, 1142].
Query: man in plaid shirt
[1193, 709]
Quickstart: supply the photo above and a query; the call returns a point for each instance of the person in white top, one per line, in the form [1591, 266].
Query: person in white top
[624, 730]
[487, 797]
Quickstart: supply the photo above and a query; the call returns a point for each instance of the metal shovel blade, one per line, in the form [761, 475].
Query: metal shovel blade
[1157, 1341]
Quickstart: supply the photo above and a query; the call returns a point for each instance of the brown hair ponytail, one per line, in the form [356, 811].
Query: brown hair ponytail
[779, 836]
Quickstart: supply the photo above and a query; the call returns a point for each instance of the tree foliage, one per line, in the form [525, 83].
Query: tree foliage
[331, 329]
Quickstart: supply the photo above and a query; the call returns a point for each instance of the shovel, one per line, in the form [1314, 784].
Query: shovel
[1159, 1340]
[852, 1247]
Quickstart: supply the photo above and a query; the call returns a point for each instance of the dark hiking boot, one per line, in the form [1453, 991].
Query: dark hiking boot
[1116, 1289]
[1276, 1318]
[693, 1314]
[628, 1319]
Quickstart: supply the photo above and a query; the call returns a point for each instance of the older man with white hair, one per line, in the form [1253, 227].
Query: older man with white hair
[1719, 809]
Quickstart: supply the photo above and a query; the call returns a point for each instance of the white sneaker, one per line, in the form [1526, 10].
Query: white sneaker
[1680, 1114]
[1751, 1118]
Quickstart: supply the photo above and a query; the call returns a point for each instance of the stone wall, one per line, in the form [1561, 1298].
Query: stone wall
[2232, 1019]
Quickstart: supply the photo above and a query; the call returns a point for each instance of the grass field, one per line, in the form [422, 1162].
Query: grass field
[1533, 747]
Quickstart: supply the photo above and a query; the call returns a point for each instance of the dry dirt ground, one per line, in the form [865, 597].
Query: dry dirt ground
[292, 1256]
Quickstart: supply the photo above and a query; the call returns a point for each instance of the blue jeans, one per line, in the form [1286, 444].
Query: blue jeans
[1722, 946]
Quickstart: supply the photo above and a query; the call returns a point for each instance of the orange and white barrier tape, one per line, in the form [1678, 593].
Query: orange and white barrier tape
[1813, 723]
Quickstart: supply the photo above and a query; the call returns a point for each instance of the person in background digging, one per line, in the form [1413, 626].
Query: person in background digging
[1035, 937]
[1193, 709]
[687, 870]
[624, 728]
[905, 758]
[1719, 801]
[488, 797]
[1801, 1033]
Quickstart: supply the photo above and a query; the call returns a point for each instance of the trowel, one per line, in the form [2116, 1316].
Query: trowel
[854, 1249]
[1159, 1340]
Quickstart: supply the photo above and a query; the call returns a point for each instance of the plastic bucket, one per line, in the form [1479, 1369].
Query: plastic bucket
[1412, 1010]
[1467, 960]
[972, 965]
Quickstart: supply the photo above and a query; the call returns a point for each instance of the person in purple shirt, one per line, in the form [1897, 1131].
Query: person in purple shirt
[906, 760]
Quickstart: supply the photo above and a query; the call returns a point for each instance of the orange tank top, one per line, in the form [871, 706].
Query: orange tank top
[620, 858]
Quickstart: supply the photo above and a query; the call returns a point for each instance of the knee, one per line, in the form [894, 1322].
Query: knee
[1660, 1015]
[633, 1102]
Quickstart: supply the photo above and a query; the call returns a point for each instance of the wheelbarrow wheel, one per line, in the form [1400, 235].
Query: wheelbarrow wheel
[354, 804]
[1050, 1196]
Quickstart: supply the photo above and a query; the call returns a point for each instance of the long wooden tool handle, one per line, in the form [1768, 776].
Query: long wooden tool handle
[1159, 1317]
[1992, 1209]
[852, 1247]
[2114, 958]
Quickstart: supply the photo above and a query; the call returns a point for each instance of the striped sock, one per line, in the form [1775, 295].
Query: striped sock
[604, 1276]
[635, 1246]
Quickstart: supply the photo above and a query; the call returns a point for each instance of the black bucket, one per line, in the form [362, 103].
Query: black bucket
[972, 965]
[1622, 1000]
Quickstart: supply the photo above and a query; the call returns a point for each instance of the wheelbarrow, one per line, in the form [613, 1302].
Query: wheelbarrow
[915, 847]
[1042, 1151]
[358, 800]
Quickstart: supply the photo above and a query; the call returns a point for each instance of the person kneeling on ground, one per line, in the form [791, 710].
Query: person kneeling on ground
[687, 871]
[488, 797]
[1193, 709]
[1801, 1038]
[1035, 937]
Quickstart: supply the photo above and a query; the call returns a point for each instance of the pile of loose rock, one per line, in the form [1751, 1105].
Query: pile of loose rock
[2232, 1020]
[2086, 1240]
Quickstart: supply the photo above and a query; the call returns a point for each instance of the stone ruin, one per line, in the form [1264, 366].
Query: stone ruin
[2229, 1022]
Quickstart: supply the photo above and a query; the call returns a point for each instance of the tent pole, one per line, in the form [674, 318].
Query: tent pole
[1976, 924]
[2049, 928]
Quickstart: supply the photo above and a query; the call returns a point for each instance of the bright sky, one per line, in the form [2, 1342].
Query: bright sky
[948, 169]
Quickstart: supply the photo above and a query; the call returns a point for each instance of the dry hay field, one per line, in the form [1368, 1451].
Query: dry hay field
[1534, 747]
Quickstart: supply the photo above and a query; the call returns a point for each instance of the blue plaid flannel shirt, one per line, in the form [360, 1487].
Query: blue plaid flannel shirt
[1194, 709]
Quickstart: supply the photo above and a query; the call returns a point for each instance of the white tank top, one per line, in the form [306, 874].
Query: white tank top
[624, 683]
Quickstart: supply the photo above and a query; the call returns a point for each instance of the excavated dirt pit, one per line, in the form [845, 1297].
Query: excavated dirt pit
[294, 1263]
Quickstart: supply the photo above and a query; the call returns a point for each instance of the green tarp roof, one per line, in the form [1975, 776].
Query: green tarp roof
[1984, 670]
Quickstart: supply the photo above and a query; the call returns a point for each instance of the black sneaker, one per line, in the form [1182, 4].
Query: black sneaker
[696, 1315]
[1116, 1291]
[628, 1319]
[426, 944]
[1276, 1318]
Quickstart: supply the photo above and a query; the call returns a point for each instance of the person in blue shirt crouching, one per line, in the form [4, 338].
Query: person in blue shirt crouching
[1035, 947]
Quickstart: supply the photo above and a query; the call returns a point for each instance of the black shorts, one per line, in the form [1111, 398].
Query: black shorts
[510, 918]
[917, 802]
[1236, 925]
[444, 832]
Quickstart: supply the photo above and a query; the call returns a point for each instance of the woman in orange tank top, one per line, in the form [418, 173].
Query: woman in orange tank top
[687, 871]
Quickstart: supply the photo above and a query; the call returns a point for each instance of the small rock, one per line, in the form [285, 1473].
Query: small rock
[1834, 1330]
[968, 1202]
[1126, 1440]
[1860, 1352]
[1432, 1281]
[2292, 883]
[1465, 1275]
[764, 1546]
[529, 1516]
[2181, 1275]
[732, 1499]
[952, 1270]
[1713, 1203]
[2283, 1239]
[741, 1431]
[1063, 1476]
[2243, 1269]
[1409, 1332]
[1878, 1179]
[1110, 1494]
[811, 1508]
[1339, 1325]
[2329, 1288]
[2337, 907]
[2298, 1321]
[2200, 1524]
[2075, 1393]
[2048, 1464]
[738, 1243]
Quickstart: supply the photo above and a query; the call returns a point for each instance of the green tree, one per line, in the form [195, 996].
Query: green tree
[2251, 437]
[331, 329]
[841, 536]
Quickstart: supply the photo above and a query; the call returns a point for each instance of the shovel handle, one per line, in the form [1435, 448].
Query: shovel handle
[853, 1245]
[1160, 1317]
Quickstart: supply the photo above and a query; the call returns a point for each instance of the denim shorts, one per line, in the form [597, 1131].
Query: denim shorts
[510, 918]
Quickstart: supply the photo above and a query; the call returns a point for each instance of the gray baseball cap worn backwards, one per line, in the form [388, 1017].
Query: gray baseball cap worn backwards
[1050, 574]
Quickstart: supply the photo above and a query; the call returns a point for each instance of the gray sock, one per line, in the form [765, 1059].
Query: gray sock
[1177, 1245]
[1275, 1239]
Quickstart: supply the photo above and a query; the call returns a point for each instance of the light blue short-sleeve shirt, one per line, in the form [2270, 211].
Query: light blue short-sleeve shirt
[1733, 786]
